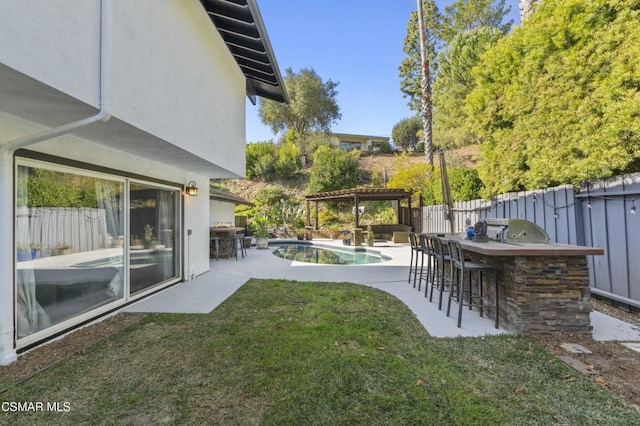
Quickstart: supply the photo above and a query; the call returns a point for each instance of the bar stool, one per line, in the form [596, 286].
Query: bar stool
[426, 249]
[214, 246]
[415, 251]
[238, 241]
[458, 290]
[438, 279]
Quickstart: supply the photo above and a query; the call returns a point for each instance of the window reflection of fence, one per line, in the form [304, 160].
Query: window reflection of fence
[53, 230]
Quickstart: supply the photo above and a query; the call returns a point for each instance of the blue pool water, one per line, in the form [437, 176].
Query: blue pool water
[327, 256]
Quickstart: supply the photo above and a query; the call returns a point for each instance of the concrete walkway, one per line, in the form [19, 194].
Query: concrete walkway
[205, 292]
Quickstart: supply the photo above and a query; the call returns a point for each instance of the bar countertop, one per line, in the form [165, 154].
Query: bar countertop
[494, 248]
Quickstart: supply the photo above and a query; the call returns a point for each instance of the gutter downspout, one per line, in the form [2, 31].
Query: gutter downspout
[7, 255]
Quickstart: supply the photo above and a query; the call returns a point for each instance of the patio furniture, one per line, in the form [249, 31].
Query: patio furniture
[400, 237]
[459, 290]
[214, 247]
[237, 241]
[439, 281]
[426, 249]
[415, 252]
[227, 243]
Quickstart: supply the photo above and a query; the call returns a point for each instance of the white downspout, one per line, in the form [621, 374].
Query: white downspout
[7, 150]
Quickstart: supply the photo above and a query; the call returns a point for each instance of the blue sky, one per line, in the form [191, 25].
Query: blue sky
[357, 43]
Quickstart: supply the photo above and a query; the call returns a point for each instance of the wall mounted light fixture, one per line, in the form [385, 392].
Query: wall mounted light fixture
[191, 189]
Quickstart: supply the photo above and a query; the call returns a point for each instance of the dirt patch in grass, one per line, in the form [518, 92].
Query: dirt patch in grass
[618, 367]
[46, 355]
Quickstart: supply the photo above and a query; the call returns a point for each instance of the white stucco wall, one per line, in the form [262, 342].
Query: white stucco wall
[220, 211]
[173, 76]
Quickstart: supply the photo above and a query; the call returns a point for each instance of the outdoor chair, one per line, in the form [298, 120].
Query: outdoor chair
[459, 291]
[214, 247]
[426, 249]
[238, 243]
[413, 263]
[439, 281]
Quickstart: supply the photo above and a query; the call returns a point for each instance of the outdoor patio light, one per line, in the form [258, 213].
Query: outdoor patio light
[191, 189]
[633, 207]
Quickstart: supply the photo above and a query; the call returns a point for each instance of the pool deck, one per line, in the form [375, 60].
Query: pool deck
[202, 294]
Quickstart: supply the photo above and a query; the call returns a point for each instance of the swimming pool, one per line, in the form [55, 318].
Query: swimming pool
[305, 252]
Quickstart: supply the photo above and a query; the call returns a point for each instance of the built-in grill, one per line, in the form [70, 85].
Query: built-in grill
[511, 231]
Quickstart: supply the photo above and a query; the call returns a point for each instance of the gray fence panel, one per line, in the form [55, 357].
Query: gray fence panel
[600, 216]
[610, 224]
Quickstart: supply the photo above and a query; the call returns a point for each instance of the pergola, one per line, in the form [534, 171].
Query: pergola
[357, 195]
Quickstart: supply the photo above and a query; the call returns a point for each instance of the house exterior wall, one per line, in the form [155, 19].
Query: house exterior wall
[171, 69]
[173, 83]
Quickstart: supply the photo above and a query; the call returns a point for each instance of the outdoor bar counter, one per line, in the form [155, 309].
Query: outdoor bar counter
[544, 288]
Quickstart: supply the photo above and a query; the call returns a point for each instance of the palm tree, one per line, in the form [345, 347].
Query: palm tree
[526, 7]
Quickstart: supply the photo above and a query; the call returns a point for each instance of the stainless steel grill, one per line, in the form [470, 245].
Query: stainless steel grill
[513, 231]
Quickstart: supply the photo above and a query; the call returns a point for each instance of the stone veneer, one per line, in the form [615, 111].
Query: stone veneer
[541, 294]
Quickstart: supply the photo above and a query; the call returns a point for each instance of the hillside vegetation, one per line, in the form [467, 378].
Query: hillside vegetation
[369, 166]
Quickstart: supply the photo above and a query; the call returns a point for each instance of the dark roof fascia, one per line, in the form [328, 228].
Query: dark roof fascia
[216, 195]
[240, 25]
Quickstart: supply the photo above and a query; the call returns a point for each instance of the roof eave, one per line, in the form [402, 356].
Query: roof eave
[241, 27]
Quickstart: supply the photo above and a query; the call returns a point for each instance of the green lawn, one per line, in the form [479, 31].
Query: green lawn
[288, 353]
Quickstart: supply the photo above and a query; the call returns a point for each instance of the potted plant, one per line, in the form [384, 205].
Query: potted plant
[300, 227]
[370, 239]
[35, 248]
[261, 233]
[23, 253]
[149, 241]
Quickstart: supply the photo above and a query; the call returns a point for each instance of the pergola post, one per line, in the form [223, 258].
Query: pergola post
[308, 214]
[317, 223]
[355, 199]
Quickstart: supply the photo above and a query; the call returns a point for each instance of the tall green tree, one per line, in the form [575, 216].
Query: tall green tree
[463, 15]
[410, 67]
[405, 133]
[313, 106]
[526, 8]
[467, 15]
[333, 169]
[455, 81]
[558, 100]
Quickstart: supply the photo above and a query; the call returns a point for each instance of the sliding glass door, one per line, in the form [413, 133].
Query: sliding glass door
[87, 242]
[154, 220]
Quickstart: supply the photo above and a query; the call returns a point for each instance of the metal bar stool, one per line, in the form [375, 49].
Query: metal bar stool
[458, 290]
[238, 242]
[438, 279]
[214, 247]
[415, 251]
[426, 249]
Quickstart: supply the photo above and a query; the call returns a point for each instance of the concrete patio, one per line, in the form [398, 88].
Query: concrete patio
[203, 293]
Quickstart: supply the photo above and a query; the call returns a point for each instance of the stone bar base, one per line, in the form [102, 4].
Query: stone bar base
[541, 294]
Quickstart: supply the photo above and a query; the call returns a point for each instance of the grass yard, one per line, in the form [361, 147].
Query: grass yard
[288, 353]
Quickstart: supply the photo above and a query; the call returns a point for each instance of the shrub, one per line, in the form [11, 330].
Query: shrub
[333, 169]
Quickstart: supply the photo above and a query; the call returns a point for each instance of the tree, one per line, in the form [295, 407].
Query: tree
[410, 67]
[463, 15]
[405, 133]
[313, 107]
[333, 169]
[526, 7]
[426, 108]
[557, 101]
[455, 81]
[467, 15]
[465, 183]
